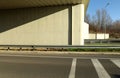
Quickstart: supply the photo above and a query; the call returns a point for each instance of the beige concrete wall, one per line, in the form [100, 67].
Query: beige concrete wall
[102, 36]
[99, 36]
[35, 26]
[86, 31]
[92, 36]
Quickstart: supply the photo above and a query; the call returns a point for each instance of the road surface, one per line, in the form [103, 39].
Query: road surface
[15, 66]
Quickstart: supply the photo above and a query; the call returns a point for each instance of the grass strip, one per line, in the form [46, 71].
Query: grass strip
[94, 50]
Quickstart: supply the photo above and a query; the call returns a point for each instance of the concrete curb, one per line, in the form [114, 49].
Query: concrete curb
[57, 53]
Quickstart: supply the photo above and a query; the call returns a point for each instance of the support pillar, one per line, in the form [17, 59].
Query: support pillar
[77, 24]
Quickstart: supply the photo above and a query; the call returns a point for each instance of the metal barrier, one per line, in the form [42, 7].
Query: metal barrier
[49, 47]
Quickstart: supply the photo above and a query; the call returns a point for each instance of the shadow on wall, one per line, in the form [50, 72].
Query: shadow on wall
[10, 19]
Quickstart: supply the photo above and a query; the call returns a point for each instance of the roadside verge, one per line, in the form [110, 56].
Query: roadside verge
[57, 53]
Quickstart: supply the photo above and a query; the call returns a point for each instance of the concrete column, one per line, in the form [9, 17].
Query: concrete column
[77, 24]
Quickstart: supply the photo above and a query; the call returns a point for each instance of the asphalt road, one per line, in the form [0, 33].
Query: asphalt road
[58, 67]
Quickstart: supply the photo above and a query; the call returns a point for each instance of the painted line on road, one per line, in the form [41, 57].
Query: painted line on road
[73, 68]
[116, 62]
[102, 73]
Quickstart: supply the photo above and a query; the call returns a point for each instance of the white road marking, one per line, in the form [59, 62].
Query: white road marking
[116, 62]
[102, 73]
[73, 68]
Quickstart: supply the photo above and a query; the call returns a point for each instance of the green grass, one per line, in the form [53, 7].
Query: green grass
[103, 44]
[95, 50]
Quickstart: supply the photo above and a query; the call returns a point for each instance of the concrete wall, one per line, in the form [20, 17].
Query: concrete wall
[86, 31]
[58, 25]
[99, 36]
[92, 36]
[35, 26]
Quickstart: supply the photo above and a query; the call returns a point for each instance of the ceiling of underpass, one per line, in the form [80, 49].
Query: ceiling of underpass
[13, 4]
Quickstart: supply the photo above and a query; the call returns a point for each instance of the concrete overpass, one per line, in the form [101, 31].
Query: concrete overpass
[42, 22]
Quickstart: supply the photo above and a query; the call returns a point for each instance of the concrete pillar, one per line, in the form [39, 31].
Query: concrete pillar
[77, 24]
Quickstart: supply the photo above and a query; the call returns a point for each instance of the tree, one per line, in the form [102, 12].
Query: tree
[115, 29]
[87, 18]
[103, 19]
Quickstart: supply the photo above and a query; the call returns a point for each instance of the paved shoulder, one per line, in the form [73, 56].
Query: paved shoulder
[85, 69]
[111, 67]
[35, 68]
[56, 67]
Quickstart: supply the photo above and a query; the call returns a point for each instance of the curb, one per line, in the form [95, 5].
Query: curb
[57, 53]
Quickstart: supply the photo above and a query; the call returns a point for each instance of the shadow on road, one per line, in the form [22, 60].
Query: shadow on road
[116, 76]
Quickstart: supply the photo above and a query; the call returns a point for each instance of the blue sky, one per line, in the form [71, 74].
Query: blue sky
[113, 9]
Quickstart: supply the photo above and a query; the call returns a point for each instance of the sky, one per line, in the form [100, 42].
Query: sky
[113, 8]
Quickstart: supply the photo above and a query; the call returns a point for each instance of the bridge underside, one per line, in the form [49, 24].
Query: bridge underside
[12, 4]
[25, 22]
